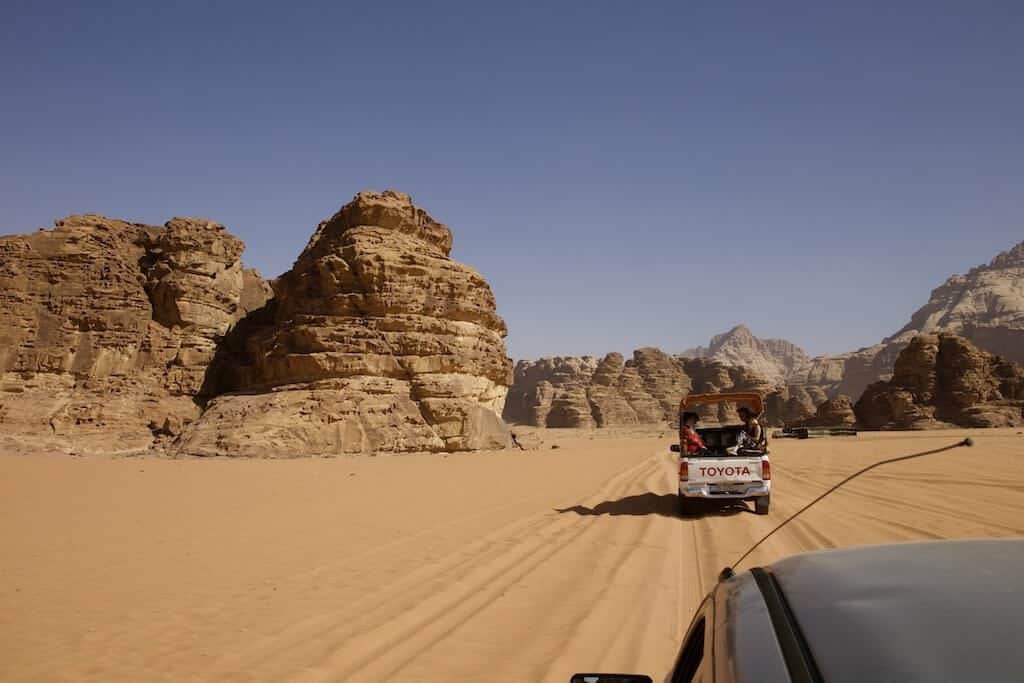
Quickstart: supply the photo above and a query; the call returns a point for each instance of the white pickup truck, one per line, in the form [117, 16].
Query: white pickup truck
[728, 469]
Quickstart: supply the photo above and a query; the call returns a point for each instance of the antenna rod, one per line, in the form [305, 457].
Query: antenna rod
[729, 572]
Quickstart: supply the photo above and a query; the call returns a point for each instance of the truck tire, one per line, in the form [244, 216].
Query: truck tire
[762, 504]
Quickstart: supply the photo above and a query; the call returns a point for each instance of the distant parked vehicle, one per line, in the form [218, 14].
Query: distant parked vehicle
[729, 468]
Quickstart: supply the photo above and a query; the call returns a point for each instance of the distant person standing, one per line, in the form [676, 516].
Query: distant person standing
[753, 432]
[689, 440]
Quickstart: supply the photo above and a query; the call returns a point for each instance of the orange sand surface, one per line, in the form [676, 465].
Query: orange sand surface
[429, 568]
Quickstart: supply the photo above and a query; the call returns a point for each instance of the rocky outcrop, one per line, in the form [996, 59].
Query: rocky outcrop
[107, 327]
[849, 374]
[835, 412]
[663, 377]
[619, 395]
[783, 364]
[792, 405]
[775, 360]
[537, 385]
[709, 376]
[116, 336]
[583, 392]
[985, 306]
[942, 380]
[376, 340]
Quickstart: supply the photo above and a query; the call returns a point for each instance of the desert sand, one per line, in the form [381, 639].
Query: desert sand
[429, 568]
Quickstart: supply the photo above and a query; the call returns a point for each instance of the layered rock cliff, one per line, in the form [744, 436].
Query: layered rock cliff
[775, 360]
[376, 340]
[583, 392]
[985, 306]
[117, 336]
[945, 380]
[107, 327]
[835, 412]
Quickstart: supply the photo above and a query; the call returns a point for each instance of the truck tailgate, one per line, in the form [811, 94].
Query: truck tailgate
[724, 469]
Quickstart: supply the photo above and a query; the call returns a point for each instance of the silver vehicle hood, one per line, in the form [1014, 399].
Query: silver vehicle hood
[933, 611]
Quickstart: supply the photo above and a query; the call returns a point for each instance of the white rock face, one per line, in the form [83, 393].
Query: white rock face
[775, 360]
[986, 306]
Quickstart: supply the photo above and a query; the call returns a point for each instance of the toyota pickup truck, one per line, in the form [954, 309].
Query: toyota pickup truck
[730, 468]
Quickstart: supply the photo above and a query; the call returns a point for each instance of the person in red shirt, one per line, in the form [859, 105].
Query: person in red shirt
[689, 440]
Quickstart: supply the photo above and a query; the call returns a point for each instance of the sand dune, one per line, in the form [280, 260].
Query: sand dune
[427, 568]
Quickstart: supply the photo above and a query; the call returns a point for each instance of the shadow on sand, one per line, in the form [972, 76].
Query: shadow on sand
[665, 505]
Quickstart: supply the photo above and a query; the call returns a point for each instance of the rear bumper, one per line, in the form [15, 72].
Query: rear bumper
[725, 490]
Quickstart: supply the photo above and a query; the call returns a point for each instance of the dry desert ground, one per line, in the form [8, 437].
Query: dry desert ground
[429, 568]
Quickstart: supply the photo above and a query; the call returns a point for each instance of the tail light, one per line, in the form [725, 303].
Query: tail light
[684, 470]
[766, 470]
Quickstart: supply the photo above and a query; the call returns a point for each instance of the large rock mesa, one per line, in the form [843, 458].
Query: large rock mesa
[376, 340]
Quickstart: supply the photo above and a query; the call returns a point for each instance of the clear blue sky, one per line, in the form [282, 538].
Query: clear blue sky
[623, 173]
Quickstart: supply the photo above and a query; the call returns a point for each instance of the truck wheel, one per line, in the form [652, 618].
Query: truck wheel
[762, 504]
[687, 507]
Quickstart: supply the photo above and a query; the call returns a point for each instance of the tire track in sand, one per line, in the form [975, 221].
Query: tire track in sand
[398, 622]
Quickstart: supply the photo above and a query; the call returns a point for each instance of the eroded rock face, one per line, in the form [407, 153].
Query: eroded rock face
[708, 376]
[376, 340]
[835, 412]
[784, 364]
[985, 306]
[663, 377]
[537, 385]
[583, 392]
[106, 328]
[942, 380]
[775, 360]
[792, 405]
[619, 396]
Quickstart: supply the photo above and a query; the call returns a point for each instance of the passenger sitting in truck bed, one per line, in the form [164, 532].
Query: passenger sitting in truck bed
[753, 434]
[689, 440]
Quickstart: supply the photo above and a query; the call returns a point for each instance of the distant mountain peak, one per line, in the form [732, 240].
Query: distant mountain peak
[773, 359]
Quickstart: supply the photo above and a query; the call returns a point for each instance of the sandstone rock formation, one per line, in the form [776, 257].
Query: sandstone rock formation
[583, 392]
[663, 377]
[985, 306]
[106, 329]
[709, 376]
[835, 412]
[537, 384]
[376, 340]
[775, 360]
[620, 396]
[848, 374]
[945, 380]
[792, 404]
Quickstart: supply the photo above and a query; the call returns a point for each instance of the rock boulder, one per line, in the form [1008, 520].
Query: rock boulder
[376, 340]
[107, 327]
[945, 380]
